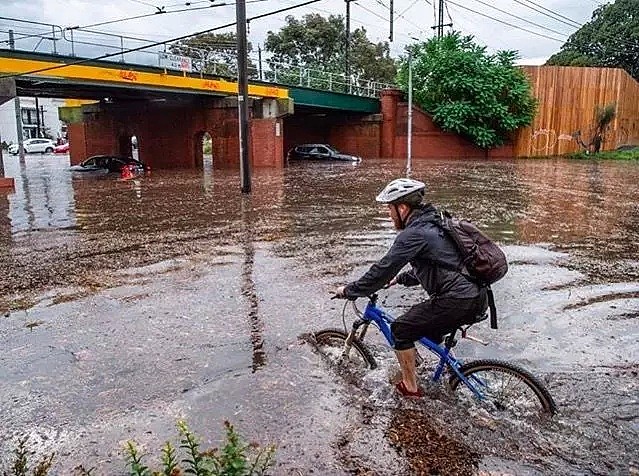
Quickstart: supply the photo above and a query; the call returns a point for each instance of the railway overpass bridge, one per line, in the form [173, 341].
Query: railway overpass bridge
[170, 111]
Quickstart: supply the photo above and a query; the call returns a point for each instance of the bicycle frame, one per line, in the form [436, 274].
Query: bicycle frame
[381, 319]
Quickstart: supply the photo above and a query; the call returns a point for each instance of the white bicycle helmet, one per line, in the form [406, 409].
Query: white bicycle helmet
[399, 188]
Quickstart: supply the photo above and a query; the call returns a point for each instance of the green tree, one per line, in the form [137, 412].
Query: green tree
[212, 53]
[483, 97]
[609, 39]
[316, 42]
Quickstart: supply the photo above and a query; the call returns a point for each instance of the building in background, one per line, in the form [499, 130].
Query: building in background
[40, 121]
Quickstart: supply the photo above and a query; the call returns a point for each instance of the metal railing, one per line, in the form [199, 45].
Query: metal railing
[85, 43]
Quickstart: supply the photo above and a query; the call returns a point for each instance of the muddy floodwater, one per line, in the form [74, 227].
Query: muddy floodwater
[127, 305]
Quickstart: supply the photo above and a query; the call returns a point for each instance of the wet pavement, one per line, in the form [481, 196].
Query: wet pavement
[130, 304]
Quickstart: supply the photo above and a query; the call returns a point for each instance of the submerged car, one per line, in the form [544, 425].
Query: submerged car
[61, 149]
[109, 164]
[319, 152]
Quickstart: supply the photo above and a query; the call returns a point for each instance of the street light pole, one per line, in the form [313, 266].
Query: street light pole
[348, 39]
[242, 96]
[409, 146]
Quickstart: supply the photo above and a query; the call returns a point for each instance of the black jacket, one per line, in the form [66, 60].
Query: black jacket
[421, 244]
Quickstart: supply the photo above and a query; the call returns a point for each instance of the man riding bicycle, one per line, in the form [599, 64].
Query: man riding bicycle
[436, 263]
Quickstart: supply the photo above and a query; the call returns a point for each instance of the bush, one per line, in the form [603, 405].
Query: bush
[20, 466]
[483, 97]
[235, 458]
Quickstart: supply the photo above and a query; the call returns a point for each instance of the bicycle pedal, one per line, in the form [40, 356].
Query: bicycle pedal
[475, 339]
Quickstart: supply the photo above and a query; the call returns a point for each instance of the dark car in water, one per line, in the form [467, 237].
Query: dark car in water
[108, 164]
[319, 152]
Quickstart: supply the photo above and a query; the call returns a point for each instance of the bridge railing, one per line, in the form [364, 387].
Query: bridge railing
[50, 38]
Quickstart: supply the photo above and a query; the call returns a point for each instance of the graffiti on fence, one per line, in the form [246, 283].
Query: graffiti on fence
[545, 140]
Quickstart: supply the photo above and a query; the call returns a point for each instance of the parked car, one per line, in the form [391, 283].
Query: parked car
[61, 149]
[109, 164]
[319, 152]
[34, 145]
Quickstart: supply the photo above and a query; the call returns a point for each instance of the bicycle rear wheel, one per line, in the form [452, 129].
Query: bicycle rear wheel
[505, 388]
[331, 343]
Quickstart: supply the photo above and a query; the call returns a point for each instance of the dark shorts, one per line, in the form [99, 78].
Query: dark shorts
[434, 319]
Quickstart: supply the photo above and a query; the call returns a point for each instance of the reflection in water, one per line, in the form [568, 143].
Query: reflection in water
[596, 185]
[44, 197]
[315, 211]
[248, 286]
[207, 174]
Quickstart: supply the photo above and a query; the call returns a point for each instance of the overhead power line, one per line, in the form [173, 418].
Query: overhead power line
[545, 11]
[140, 2]
[408, 8]
[521, 18]
[178, 38]
[159, 12]
[162, 12]
[505, 22]
[380, 2]
[119, 20]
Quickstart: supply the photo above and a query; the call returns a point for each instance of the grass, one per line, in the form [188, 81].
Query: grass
[608, 155]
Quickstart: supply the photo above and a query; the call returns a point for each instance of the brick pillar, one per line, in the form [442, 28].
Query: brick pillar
[77, 142]
[389, 100]
[267, 143]
[93, 137]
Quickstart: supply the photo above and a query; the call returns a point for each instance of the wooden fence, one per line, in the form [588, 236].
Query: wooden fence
[568, 98]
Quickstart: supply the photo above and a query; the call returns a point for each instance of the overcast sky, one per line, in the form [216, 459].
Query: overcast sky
[413, 18]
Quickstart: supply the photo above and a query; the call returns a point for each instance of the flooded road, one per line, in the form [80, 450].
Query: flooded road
[128, 305]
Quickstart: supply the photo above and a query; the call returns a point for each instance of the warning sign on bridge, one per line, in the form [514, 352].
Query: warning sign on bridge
[177, 62]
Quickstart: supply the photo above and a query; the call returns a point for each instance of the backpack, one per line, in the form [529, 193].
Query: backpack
[484, 262]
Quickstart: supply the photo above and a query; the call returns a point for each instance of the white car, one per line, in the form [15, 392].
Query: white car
[34, 145]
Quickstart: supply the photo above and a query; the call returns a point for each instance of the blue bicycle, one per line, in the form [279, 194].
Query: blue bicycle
[501, 386]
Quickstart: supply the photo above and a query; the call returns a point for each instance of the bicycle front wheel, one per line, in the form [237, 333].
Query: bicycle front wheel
[332, 343]
[505, 388]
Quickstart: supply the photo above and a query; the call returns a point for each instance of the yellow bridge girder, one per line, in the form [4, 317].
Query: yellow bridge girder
[132, 77]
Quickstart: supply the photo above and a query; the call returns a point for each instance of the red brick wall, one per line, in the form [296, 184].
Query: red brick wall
[168, 136]
[361, 139]
[304, 129]
[428, 140]
[93, 137]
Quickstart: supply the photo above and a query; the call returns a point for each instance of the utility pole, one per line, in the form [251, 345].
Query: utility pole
[242, 96]
[259, 61]
[18, 109]
[440, 20]
[347, 46]
[38, 127]
[392, 14]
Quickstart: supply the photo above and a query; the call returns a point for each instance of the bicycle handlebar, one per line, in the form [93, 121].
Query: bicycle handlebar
[372, 297]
